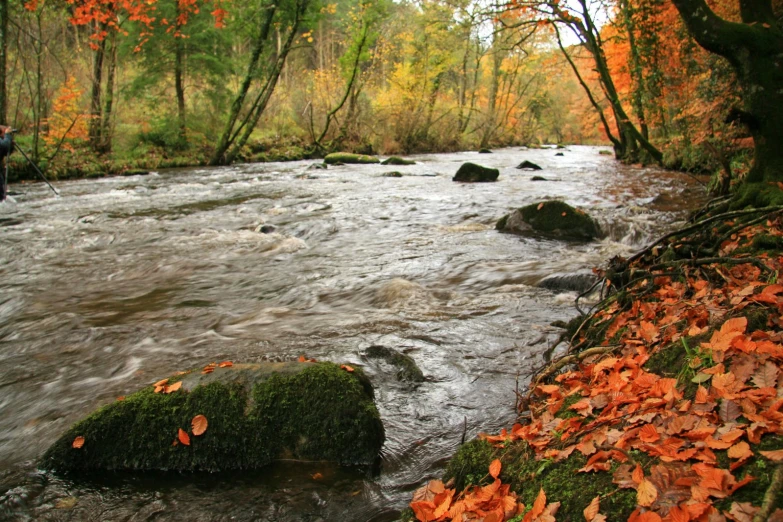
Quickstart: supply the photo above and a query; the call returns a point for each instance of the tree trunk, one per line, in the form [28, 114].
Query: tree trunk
[4, 14]
[179, 86]
[95, 97]
[754, 48]
[108, 102]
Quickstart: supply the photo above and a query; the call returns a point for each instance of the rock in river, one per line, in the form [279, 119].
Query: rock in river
[554, 219]
[470, 172]
[396, 160]
[347, 157]
[256, 413]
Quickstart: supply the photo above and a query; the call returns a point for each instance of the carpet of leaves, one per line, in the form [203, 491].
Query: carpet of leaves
[727, 396]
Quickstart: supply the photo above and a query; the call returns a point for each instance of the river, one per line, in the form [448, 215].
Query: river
[122, 281]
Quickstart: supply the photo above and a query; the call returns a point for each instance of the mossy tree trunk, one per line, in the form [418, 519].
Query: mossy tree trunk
[754, 48]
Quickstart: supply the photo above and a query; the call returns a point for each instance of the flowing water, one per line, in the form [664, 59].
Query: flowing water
[122, 281]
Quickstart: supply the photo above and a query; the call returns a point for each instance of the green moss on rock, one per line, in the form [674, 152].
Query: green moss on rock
[470, 465]
[553, 219]
[396, 160]
[347, 157]
[256, 414]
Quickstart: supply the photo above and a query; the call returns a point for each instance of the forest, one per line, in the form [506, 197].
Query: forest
[99, 87]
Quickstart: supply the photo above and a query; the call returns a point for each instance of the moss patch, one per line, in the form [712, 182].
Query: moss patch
[472, 173]
[407, 370]
[318, 413]
[553, 219]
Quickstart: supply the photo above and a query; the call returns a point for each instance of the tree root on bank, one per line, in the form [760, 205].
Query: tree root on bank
[565, 361]
[771, 495]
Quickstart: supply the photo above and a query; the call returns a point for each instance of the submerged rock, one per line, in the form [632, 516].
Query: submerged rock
[538, 178]
[347, 157]
[569, 282]
[485, 151]
[528, 165]
[554, 219]
[396, 160]
[472, 173]
[393, 174]
[256, 413]
[407, 370]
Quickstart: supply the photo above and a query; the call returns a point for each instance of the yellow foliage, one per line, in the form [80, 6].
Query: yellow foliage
[67, 123]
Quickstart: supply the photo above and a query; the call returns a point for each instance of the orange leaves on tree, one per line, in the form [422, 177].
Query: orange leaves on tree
[183, 437]
[198, 425]
[67, 124]
[78, 442]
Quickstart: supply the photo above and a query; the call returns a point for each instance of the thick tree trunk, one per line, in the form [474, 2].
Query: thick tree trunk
[755, 50]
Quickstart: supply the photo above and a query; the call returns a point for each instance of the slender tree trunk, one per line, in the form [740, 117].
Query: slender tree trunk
[754, 48]
[179, 86]
[108, 102]
[4, 15]
[95, 97]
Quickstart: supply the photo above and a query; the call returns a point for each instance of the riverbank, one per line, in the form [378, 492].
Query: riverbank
[667, 403]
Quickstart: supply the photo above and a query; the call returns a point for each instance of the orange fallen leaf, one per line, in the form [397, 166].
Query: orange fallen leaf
[740, 450]
[199, 425]
[774, 455]
[316, 476]
[540, 206]
[207, 370]
[494, 468]
[226, 364]
[174, 387]
[78, 442]
[347, 368]
[302, 358]
[183, 437]
[161, 382]
[563, 214]
[121, 398]
[592, 510]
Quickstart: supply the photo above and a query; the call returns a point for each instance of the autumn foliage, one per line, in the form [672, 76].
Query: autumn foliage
[683, 440]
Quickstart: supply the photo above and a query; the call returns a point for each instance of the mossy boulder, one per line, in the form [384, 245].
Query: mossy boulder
[472, 173]
[554, 219]
[528, 165]
[256, 413]
[396, 160]
[347, 157]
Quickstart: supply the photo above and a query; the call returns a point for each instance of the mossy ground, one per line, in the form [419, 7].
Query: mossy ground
[320, 413]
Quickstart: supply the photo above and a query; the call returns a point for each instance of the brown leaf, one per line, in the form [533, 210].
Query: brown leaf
[78, 442]
[183, 437]
[199, 425]
[494, 468]
[316, 476]
[766, 376]
[743, 512]
[592, 510]
[729, 410]
[646, 493]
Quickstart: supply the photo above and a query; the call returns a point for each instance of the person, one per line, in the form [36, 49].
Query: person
[6, 147]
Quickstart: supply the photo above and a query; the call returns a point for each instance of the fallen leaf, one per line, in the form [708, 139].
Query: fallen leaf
[494, 468]
[773, 455]
[174, 387]
[199, 425]
[540, 206]
[317, 476]
[347, 368]
[225, 364]
[183, 437]
[78, 442]
[646, 493]
[592, 510]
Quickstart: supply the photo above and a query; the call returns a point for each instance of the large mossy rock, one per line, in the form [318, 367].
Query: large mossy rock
[256, 413]
[472, 173]
[347, 157]
[554, 219]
